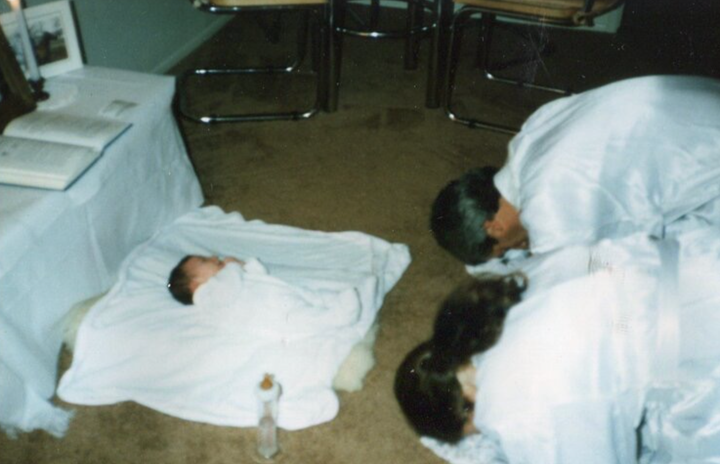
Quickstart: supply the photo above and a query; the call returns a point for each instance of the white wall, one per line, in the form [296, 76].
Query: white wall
[140, 35]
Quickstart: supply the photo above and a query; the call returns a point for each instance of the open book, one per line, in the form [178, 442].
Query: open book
[50, 150]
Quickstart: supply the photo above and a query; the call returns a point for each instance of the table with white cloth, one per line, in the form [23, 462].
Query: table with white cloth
[60, 247]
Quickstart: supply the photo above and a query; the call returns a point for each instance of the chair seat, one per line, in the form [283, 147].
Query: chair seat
[556, 11]
[249, 3]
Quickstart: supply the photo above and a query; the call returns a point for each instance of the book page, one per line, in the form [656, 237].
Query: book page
[50, 126]
[42, 164]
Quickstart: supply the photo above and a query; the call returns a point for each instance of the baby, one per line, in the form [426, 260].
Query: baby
[245, 295]
[193, 271]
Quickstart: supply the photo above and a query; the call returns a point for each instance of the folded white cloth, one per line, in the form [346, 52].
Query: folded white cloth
[139, 344]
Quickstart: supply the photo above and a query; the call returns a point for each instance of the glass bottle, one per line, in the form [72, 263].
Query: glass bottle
[267, 392]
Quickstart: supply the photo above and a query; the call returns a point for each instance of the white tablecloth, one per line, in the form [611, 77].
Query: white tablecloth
[57, 248]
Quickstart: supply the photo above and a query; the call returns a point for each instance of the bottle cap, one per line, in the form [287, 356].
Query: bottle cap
[268, 389]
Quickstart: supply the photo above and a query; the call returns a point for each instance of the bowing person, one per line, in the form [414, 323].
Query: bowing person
[641, 154]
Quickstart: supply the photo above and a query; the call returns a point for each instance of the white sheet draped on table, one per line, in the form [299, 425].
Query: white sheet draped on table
[203, 364]
[59, 248]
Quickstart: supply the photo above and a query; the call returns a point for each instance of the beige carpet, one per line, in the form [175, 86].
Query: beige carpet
[374, 166]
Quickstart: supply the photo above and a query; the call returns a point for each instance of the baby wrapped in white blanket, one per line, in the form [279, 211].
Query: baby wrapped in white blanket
[296, 314]
[246, 298]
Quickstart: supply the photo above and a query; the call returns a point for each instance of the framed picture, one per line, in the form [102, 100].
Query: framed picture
[16, 96]
[52, 31]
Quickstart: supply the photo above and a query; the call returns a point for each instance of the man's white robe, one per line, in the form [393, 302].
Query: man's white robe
[637, 155]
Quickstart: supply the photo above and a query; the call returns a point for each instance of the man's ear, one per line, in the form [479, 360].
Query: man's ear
[494, 227]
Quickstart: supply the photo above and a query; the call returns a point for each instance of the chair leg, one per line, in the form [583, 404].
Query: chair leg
[415, 18]
[320, 56]
[456, 38]
[315, 43]
[456, 33]
[487, 24]
[374, 15]
[369, 28]
[328, 58]
[302, 41]
[336, 13]
[292, 68]
[437, 55]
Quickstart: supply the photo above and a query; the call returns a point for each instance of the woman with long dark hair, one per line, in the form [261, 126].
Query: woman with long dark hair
[618, 364]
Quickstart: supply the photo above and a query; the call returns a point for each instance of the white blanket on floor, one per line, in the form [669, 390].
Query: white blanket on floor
[138, 344]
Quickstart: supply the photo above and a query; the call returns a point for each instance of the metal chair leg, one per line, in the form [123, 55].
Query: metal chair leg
[456, 33]
[374, 14]
[414, 31]
[336, 23]
[487, 24]
[309, 17]
[437, 57]
[415, 19]
[324, 58]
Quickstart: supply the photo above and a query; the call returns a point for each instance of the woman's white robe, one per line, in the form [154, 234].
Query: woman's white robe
[637, 155]
[603, 347]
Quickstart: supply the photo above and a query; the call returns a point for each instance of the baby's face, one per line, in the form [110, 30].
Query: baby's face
[202, 268]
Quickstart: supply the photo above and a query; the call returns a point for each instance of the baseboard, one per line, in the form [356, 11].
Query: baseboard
[190, 46]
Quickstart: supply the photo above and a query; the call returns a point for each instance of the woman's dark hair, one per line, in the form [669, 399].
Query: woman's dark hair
[470, 321]
[430, 395]
[179, 283]
[459, 212]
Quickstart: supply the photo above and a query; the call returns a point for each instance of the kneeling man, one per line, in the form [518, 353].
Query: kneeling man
[637, 155]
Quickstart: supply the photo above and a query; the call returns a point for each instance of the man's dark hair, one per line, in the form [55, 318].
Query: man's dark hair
[459, 212]
[179, 283]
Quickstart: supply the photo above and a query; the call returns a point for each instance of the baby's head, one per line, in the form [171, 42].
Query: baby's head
[191, 272]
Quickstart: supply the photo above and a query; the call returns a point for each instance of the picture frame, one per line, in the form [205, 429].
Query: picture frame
[52, 31]
[16, 97]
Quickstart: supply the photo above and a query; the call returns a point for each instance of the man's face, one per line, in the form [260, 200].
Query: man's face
[506, 228]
